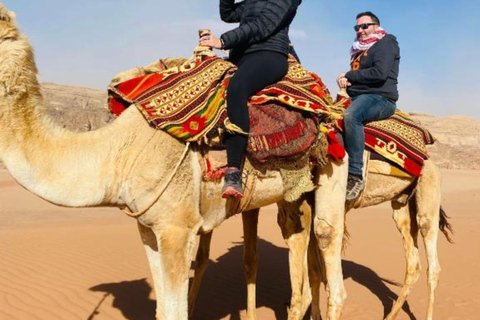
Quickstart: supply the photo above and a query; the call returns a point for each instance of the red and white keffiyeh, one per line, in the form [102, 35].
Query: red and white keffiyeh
[365, 44]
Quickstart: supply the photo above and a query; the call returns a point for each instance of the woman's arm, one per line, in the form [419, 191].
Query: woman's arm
[231, 11]
[270, 18]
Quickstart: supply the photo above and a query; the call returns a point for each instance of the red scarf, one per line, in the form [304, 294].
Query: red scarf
[365, 44]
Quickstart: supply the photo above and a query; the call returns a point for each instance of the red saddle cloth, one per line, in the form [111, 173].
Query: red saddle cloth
[188, 102]
[400, 140]
[277, 131]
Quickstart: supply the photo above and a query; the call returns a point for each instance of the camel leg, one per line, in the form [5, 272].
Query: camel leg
[201, 263]
[295, 220]
[428, 198]
[329, 227]
[168, 250]
[250, 259]
[315, 275]
[409, 230]
[151, 248]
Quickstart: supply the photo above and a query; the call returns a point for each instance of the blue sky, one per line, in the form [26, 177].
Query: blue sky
[85, 43]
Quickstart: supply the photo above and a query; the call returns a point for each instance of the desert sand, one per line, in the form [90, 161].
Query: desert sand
[62, 263]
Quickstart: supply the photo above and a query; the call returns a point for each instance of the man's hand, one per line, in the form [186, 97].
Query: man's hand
[208, 39]
[342, 81]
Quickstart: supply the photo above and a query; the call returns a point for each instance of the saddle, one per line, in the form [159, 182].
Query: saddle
[398, 140]
[186, 99]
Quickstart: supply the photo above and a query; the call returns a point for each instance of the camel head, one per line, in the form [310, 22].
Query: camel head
[8, 27]
[18, 72]
[6, 15]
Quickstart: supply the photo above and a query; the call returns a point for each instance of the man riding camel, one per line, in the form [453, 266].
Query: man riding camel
[372, 85]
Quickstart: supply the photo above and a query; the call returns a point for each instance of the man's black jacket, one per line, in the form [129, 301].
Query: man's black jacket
[264, 25]
[378, 72]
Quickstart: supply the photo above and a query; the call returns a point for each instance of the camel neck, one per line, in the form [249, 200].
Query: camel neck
[57, 165]
[52, 162]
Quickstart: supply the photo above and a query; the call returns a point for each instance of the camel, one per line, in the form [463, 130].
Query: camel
[128, 164]
[416, 207]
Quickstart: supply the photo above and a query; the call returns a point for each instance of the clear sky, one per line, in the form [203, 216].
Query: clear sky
[85, 43]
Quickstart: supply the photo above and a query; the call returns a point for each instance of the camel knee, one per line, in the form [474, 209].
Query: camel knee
[434, 272]
[433, 278]
[324, 233]
[337, 300]
[413, 273]
[424, 225]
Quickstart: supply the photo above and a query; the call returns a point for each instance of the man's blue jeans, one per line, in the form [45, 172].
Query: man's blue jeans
[363, 109]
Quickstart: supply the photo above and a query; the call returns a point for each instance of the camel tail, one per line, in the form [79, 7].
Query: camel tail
[445, 225]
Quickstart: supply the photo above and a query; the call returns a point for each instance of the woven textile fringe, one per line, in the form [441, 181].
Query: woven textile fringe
[296, 183]
[295, 172]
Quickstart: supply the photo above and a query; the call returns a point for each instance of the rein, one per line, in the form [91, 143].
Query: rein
[161, 190]
[126, 210]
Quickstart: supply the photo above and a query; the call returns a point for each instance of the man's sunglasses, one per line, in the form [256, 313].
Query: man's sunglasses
[364, 26]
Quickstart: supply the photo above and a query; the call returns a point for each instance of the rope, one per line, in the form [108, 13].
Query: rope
[162, 190]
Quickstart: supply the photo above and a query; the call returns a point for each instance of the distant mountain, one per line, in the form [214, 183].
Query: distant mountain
[458, 141]
[83, 109]
[76, 108]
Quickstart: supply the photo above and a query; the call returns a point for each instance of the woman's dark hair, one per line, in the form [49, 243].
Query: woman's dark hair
[369, 14]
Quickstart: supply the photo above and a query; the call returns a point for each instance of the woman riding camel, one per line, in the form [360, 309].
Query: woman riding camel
[259, 47]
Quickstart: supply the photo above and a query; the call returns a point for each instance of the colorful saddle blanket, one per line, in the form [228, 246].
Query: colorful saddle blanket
[188, 101]
[400, 140]
[276, 131]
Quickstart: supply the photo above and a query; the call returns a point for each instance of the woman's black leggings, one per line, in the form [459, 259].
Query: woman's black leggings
[255, 71]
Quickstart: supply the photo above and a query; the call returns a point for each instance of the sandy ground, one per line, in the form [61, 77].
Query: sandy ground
[59, 263]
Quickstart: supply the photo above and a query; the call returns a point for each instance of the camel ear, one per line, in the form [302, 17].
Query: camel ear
[12, 15]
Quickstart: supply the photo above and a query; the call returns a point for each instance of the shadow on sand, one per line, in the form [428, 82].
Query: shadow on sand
[130, 297]
[223, 291]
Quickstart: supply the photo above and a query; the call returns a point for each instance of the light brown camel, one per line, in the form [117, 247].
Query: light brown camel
[126, 164]
[401, 191]
[416, 207]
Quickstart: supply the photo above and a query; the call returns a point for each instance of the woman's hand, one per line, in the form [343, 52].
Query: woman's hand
[342, 81]
[208, 39]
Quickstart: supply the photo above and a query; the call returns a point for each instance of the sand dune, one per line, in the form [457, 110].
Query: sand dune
[59, 263]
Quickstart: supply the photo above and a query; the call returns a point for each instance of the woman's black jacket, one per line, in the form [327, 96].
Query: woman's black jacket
[264, 25]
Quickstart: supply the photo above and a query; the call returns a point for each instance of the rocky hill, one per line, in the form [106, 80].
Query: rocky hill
[458, 141]
[458, 145]
[76, 108]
